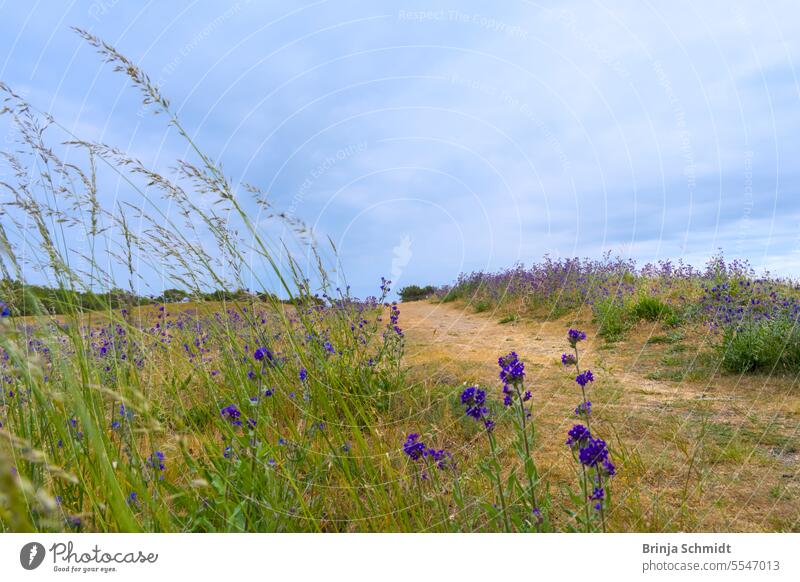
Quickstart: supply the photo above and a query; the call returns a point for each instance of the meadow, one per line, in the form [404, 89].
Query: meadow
[571, 395]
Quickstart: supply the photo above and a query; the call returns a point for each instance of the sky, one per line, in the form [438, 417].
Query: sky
[431, 138]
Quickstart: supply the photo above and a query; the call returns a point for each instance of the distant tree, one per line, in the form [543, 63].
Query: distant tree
[415, 292]
[173, 295]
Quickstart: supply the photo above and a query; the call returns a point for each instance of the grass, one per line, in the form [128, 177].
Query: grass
[612, 317]
[651, 308]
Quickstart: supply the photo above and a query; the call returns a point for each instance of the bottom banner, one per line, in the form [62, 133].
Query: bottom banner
[401, 556]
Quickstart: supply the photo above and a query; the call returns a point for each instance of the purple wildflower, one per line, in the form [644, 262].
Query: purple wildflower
[512, 370]
[413, 448]
[574, 336]
[598, 495]
[231, 414]
[474, 399]
[442, 458]
[156, 462]
[578, 435]
[608, 468]
[583, 409]
[537, 516]
[593, 453]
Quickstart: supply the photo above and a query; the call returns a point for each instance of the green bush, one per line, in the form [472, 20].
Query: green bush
[451, 296]
[415, 292]
[612, 316]
[767, 345]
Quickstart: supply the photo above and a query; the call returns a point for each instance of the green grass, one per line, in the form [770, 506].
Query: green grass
[612, 317]
[672, 337]
[650, 308]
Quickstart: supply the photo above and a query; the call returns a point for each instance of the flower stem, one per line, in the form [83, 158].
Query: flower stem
[499, 482]
[531, 472]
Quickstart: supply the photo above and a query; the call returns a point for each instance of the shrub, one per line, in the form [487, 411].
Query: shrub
[415, 292]
[765, 345]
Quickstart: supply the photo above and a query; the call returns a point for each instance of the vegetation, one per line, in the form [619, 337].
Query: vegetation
[769, 345]
[416, 293]
[754, 318]
[30, 299]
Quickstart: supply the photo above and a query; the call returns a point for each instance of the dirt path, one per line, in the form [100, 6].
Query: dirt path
[438, 332]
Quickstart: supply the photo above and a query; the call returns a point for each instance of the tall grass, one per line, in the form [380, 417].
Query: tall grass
[116, 420]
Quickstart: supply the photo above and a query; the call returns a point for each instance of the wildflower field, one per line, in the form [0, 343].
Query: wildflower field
[569, 396]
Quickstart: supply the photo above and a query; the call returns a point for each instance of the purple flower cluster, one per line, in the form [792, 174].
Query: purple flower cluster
[592, 452]
[578, 436]
[583, 409]
[556, 283]
[440, 457]
[598, 495]
[512, 370]
[574, 336]
[584, 378]
[413, 447]
[263, 355]
[232, 414]
[156, 463]
[416, 450]
[474, 399]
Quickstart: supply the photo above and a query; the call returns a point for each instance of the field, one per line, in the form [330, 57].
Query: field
[570, 395]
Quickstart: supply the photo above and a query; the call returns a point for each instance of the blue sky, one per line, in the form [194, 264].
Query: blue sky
[431, 138]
